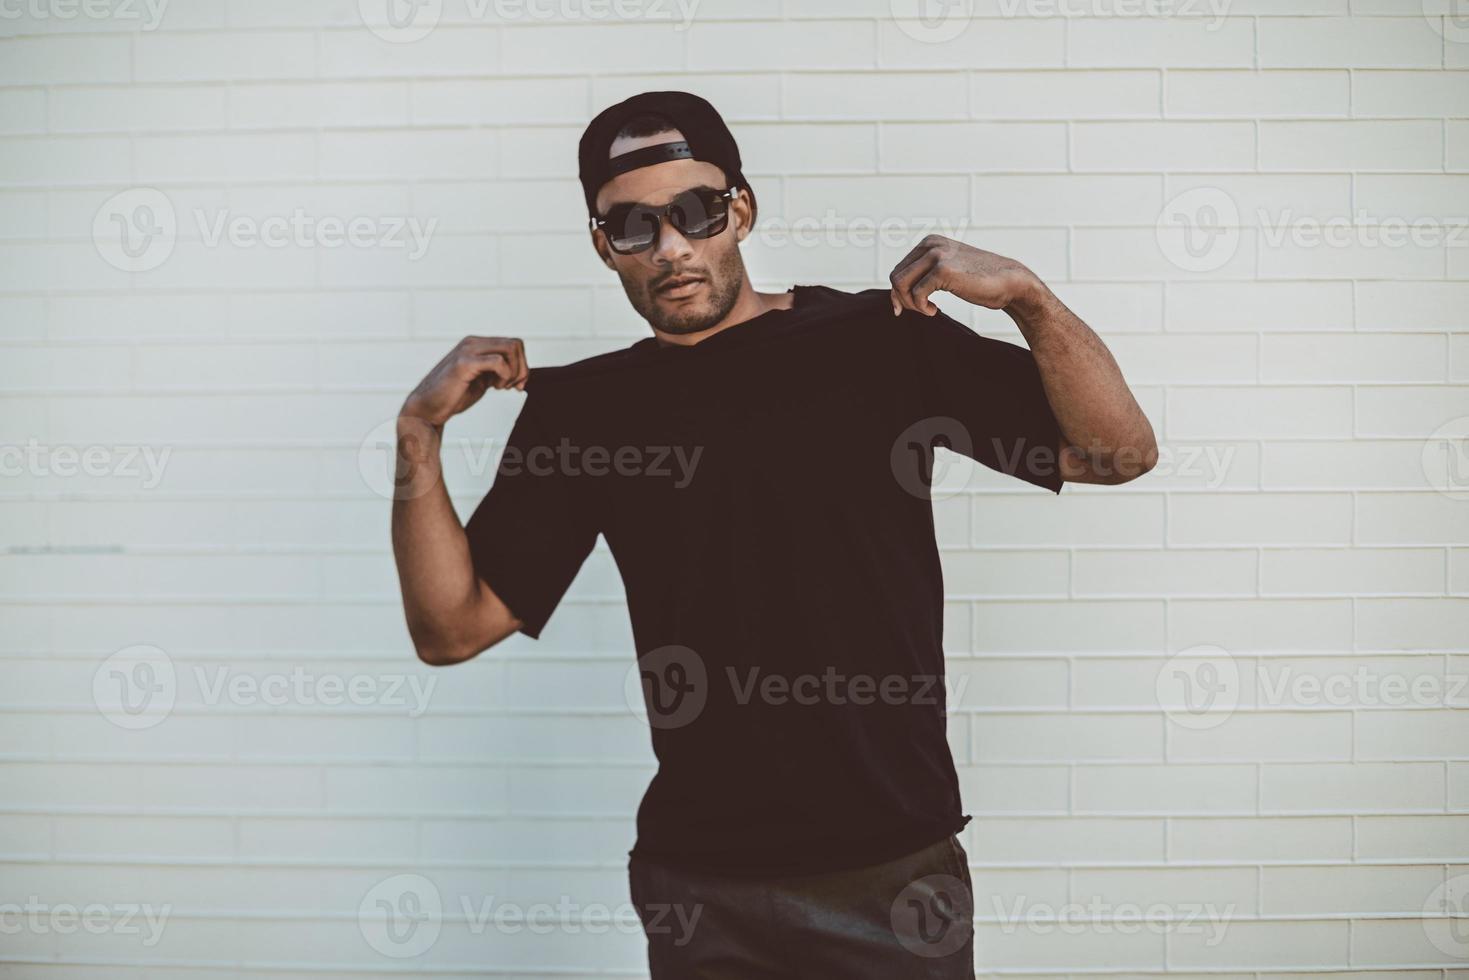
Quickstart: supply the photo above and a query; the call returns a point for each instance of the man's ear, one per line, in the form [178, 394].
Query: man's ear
[743, 206]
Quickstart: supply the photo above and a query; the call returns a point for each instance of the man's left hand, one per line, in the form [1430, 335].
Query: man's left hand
[972, 274]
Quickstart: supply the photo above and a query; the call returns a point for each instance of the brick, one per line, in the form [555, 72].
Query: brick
[1258, 94]
[1066, 200]
[1262, 518]
[775, 46]
[1352, 358]
[971, 147]
[1149, 146]
[64, 60]
[900, 95]
[1266, 411]
[1415, 94]
[223, 57]
[1253, 306]
[1413, 306]
[1334, 787]
[1334, 147]
[1358, 42]
[1174, 572]
[1260, 838]
[1175, 789]
[1062, 95]
[1170, 42]
[1333, 571]
[984, 43]
[448, 50]
[22, 111]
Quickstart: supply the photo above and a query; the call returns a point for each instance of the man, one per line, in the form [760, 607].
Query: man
[760, 469]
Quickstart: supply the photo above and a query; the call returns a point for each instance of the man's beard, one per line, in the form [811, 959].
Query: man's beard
[722, 284]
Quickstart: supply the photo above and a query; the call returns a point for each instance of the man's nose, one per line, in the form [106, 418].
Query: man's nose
[671, 246]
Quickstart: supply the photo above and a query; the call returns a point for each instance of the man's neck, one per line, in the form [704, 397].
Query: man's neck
[750, 305]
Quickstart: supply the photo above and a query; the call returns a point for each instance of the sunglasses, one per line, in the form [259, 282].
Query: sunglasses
[701, 212]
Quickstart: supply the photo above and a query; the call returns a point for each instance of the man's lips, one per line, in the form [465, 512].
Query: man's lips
[680, 286]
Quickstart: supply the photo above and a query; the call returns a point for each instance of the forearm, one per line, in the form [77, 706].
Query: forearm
[1091, 400]
[443, 599]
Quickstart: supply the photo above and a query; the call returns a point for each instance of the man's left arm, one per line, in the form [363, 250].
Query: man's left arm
[1106, 438]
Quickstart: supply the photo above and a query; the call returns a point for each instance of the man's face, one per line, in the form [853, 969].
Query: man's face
[678, 285]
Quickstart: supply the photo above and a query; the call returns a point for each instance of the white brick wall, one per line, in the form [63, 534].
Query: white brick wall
[1292, 539]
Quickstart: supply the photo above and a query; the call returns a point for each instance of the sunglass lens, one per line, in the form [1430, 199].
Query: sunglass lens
[698, 215]
[632, 229]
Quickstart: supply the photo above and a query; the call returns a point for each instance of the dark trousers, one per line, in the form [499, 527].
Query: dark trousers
[912, 917]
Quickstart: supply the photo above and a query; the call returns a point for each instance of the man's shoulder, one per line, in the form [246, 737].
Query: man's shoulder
[566, 379]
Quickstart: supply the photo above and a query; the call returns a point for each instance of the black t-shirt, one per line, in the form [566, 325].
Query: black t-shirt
[764, 494]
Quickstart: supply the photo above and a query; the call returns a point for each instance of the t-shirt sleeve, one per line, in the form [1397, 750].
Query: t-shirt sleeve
[993, 390]
[533, 530]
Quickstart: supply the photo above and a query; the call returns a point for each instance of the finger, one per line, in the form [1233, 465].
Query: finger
[897, 276]
[510, 348]
[903, 281]
[524, 364]
[495, 368]
[913, 255]
[923, 287]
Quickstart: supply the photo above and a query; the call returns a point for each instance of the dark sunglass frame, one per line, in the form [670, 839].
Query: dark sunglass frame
[660, 214]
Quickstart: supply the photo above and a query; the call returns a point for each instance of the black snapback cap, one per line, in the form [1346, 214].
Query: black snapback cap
[705, 137]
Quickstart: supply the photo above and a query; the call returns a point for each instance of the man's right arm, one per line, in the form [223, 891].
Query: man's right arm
[452, 614]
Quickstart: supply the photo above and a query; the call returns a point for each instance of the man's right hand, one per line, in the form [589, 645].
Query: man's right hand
[475, 365]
